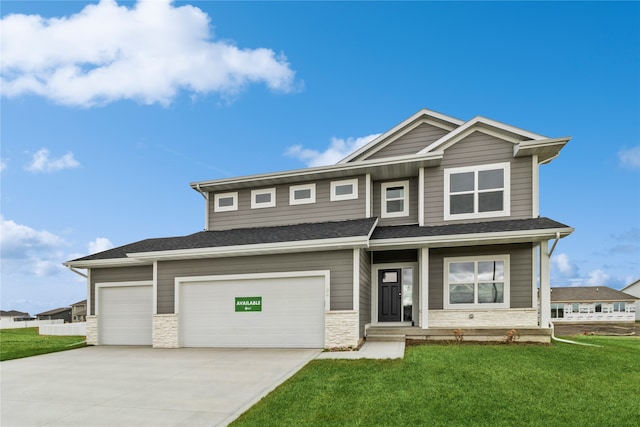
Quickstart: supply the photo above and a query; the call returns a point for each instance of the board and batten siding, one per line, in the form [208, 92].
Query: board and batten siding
[340, 264]
[412, 142]
[365, 291]
[283, 213]
[520, 271]
[412, 218]
[475, 150]
[118, 274]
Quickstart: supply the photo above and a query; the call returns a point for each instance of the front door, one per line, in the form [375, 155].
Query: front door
[389, 295]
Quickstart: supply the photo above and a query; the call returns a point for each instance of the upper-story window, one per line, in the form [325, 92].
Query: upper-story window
[263, 198]
[477, 191]
[224, 202]
[394, 199]
[344, 190]
[476, 282]
[302, 194]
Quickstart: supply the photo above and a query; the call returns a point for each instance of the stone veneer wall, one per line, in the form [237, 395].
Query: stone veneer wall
[341, 329]
[501, 318]
[165, 331]
[92, 330]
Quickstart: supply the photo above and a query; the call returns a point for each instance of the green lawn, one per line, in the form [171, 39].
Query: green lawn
[25, 342]
[465, 385]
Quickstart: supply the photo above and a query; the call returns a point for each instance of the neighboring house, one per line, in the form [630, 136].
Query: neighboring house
[591, 304]
[14, 316]
[634, 290]
[434, 225]
[79, 311]
[63, 313]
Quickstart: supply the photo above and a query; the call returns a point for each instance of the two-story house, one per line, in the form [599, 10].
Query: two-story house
[432, 226]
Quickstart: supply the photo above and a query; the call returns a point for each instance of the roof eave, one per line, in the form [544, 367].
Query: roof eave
[546, 149]
[109, 262]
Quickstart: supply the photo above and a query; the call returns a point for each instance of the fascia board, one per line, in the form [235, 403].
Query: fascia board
[528, 148]
[474, 239]
[257, 249]
[411, 123]
[110, 262]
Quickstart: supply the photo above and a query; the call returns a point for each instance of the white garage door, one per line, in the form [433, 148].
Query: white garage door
[125, 315]
[283, 312]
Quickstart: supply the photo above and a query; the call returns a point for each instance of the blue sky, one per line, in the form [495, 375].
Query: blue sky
[110, 110]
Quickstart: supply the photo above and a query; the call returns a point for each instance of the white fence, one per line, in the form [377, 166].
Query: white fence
[79, 328]
[10, 324]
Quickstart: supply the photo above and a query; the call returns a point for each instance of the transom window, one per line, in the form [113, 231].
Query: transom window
[478, 282]
[344, 190]
[224, 202]
[302, 194]
[394, 199]
[477, 192]
[264, 198]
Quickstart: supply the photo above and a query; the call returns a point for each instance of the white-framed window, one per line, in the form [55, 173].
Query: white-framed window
[477, 191]
[476, 282]
[224, 202]
[344, 190]
[619, 307]
[557, 311]
[263, 198]
[394, 199]
[302, 194]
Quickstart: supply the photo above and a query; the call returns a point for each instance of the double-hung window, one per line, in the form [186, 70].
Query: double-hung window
[477, 191]
[302, 194]
[224, 202]
[394, 199]
[264, 198]
[476, 282]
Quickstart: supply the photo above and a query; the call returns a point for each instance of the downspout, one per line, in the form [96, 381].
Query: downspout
[200, 191]
[553, 337]
[76, 271]
[554, 244]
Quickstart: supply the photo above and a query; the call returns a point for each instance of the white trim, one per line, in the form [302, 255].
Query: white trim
[216, 200]
[535, 187]
[302, 187]
[89, 312]
[259, 205]
[534, 276]
[476, 259]
[367, 196]
[545, 288]
[506, 191]
[110, 262]
[326, 274]
[155, 288]
[423, 271]
[383, 199]
[102, 285]
[346, 182]
[421, 197]
[356, 279]
[206, 210]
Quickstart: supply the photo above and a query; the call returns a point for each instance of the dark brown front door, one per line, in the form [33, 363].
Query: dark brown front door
[389, 295]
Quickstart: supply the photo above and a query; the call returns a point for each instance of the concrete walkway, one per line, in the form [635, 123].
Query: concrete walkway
[370, 350]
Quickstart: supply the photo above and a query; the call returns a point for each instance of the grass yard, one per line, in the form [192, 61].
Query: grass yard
[465, 385]
[25, 342]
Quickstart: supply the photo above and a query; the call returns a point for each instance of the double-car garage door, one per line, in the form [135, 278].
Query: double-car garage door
[285, 311]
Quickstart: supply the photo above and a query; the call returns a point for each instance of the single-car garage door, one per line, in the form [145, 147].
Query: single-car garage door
[125, 315]
[277, 312]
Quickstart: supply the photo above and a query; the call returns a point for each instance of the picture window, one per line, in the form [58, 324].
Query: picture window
[344, 190]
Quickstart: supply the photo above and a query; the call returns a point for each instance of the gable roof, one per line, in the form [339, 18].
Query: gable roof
[588, 294]
[54, 311]
[13, 313]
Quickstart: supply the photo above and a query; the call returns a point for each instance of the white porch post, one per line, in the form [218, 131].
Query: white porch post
[424, 287]
[545, 288]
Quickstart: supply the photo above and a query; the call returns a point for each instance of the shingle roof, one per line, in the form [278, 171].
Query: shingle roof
[406, 231]
[243, 236]
[588, 294]
[54, 311]
[13, 313]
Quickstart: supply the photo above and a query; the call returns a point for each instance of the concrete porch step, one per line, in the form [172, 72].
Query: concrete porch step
[385, 338]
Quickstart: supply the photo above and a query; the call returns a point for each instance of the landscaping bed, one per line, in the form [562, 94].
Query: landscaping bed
[604, 329]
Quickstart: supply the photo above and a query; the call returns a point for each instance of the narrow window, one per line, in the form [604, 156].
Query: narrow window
[264, 198]
[302, 194]
[344, 190]
[224, 202]
[477, 192]
[394, 199]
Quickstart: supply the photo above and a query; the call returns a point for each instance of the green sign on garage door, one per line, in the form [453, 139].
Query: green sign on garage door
[248, 303]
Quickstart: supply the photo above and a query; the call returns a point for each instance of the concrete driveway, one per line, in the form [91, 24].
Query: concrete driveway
[140, 386]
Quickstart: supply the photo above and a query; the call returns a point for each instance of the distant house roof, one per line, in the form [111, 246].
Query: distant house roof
[54, 311]
[13, 313]
[83, 302]
[588, 294]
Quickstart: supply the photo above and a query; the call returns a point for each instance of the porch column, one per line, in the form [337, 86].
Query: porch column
[424, 287]
[545, 288]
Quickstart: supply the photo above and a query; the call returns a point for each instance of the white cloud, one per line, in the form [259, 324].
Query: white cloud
[598, 278]
[630, 158]
[338, 149]
[41, 162]
[99, 245]
[146, 53]
[3, 165]
[563, 264]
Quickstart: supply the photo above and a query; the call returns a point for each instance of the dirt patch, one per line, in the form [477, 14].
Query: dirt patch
[609, 329]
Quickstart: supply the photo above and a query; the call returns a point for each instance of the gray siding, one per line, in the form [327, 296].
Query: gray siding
[118, 274]
[412, 142]
[479, 149]
[365, 290]
[521, 265]
[412, 218]
[340, 263]
[284, 214]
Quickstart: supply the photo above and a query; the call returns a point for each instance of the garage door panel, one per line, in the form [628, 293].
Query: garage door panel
[125, 315]
[292, 313]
